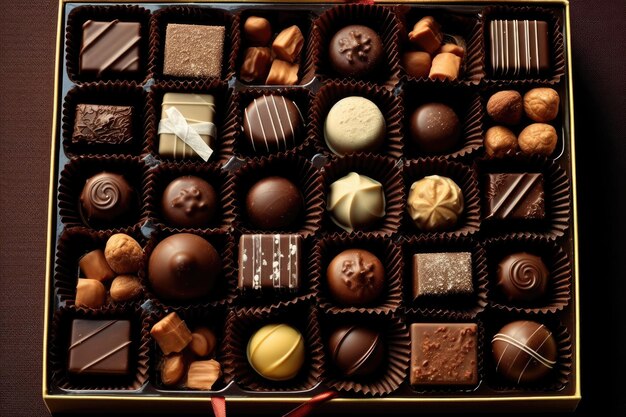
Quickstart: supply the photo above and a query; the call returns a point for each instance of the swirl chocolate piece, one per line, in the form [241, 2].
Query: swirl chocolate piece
[435, 203]
[106, 197]
[356, 51]
[272, 124]
[189, 202]
[356, 351]
[355, 277]
[523, 277]
[356, 202]
[524, 351]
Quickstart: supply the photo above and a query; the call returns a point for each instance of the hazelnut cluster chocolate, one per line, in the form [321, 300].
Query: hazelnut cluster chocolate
[384, 199]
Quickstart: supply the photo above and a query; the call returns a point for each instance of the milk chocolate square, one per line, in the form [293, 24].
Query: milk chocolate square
[269, 262]
[193, 50]
[110, 47]
[99, 347]
[515, 197]
[440, 274]
[444, 354]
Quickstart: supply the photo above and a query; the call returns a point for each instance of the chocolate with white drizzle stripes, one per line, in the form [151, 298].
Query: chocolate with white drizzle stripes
[272, 123]
[519, 47]
[524, 351]
[269, 262]
[99, 347]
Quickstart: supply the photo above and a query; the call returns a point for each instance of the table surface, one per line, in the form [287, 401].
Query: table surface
[27, 41]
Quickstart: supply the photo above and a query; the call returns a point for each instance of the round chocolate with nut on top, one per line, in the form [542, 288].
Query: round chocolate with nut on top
[356, 51]
[355, 277]
[189, 201]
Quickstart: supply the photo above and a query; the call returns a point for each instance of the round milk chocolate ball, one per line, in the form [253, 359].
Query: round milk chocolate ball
[355, 277]
[524, 351]
[435, 128]
[356, 351]
[276, 352]
[189, 201]
[106, 198]
[274, 203]
[183, 267]
[356, 51]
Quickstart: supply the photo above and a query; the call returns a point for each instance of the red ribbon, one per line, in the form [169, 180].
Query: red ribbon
[219, 405]
[360, 1]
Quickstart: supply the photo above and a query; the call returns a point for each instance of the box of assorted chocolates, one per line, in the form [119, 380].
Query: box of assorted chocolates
[367, 205]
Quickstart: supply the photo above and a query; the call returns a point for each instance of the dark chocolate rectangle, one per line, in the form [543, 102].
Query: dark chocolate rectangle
[269, 262]
[519, 47]
[110, 47]
[515, 196]
[98, 124]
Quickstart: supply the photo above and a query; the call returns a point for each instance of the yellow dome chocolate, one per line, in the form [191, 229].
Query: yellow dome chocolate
[435, 203]
[276, 352]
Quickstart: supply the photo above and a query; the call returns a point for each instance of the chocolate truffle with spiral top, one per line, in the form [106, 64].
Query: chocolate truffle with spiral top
[356, 51]
[106, 198]
[355, 277]
[523, 277]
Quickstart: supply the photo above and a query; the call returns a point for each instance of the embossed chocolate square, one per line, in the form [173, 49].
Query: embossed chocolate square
[110, 47]
[99, 124]
[515, 196]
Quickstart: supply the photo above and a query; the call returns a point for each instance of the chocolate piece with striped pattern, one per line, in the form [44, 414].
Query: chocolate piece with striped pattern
[99, 347]
[515, 197]
[272, 124]
[519, 47]
[110, 48]
[269, 262]
[524, 351]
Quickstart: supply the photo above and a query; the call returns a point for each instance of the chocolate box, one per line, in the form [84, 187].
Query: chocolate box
[138, 79]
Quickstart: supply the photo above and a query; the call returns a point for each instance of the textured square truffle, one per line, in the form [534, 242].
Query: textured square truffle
[515, 197]
[99, 124]
[99, 347]
[438, 274]
[444, 354]
[269, 262]
[110, 47]
[193, 50]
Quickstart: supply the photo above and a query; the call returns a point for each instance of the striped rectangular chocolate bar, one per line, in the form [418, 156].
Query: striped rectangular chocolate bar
[519, 47]
[269, 262]
[110, 47]
[99, 347]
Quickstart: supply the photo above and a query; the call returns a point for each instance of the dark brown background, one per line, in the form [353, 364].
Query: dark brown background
[27, 41]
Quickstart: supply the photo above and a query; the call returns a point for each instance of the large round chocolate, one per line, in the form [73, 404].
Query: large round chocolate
[523, 277]
[272, 124]
[106, 198]
[524, 351]
[276, 352]
[355, 277]
[189, 202]
[183, 266]
[356, 351]
[354, 124]
[274, 203]
[356, 51]
[435, 128]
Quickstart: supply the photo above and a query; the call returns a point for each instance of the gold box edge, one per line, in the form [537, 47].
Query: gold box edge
[49, 399]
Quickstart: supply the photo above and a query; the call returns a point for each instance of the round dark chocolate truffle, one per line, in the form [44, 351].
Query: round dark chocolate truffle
[523, 277]
[183, 267]
[274, 203]
[106, 198]
[356, 351]
[356, 51]
[435, 128]
[272, 124]
[189, 201]
[355, 277]
[524, 351]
